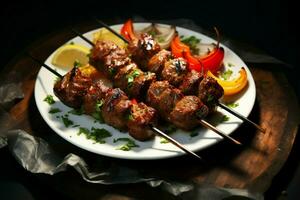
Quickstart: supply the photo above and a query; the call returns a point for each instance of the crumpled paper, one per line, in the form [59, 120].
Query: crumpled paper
[37, 156]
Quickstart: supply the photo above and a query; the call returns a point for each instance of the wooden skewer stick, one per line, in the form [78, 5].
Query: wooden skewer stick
[219, 104]
[241, 116]
[203, 122]
[156, 130]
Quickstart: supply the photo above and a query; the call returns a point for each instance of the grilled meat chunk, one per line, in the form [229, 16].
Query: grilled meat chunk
[167, 102]
[116, 108]
[72, 88]
[95, 94]
[141, 116]
[187, 112]
[190, 83]
[210, 92]
[174, 71]
[134, 81]
[143, 49]
[157, 62]
[108, 57]
[154, 92]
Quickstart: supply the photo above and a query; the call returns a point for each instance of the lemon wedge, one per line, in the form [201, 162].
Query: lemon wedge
[104, 34]
[66, 55]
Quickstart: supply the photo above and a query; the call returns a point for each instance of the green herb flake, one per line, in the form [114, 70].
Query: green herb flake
[67, 122]
[232, 105]
[84, 131]
[131, 77]
[72, 43]
[230, 65]
[49, 99]
[76, 125]
[210, 98]
[171, 128]
[192, 42]
[57, 79]
[77, 63]
[99, 134]
[194, 134]
[128, 146]
[54, 110]
[226, 74]
[161, 39]
[79, 111]
[224, 118]
[164, 141]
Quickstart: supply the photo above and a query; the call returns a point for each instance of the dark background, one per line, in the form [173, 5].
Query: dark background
[269, 25]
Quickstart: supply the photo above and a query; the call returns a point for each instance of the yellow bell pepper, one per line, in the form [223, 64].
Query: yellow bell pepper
[233, 86]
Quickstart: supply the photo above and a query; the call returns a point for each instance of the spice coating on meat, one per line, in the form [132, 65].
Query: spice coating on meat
[134, 81]
[108, 57]
[96, 93]
[174, 71]
[190, 83]
[141, 116]
[115, 109]
[187, 112]
[210, 92]
[143, 49]
[167, 102]
[157, 62]
[72, 88]
[154, 92]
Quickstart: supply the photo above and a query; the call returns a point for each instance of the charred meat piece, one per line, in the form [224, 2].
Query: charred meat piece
[190, 83]
[108, 57]
[140, 85]
[167, 102]
[134, 81]
[95, 94]
[126, 76]
[141, 116]
[174, 71]
[210, 92]
[143, 49]
[187, 112]
[154, 92]
[157, 62]
[116, 108]
[72, 88]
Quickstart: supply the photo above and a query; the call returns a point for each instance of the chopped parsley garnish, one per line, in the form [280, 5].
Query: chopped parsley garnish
[129, 116]
[112, 71]
[96, 134]
[128, 146]
[54, 110]
[192, 42]
[209, 98]
[230, 65]
[170, 128]
[49, 99]
[131, 77]
[76, 125]
[67, 122]
[164, 141]
[161, 39]
[72, 43]
[77, 63]
[224, 118]
[232, 105]
[79, 111]
[194, 134]
[226, 74]
[98, 114]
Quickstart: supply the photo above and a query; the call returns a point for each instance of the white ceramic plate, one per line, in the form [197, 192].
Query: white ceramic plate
[153, 149]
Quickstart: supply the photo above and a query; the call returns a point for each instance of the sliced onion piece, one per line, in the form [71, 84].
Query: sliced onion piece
[162, 34]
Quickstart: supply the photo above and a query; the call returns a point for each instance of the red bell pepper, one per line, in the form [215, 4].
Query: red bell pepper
[211, 62]
[127, 30]
[133, 101]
